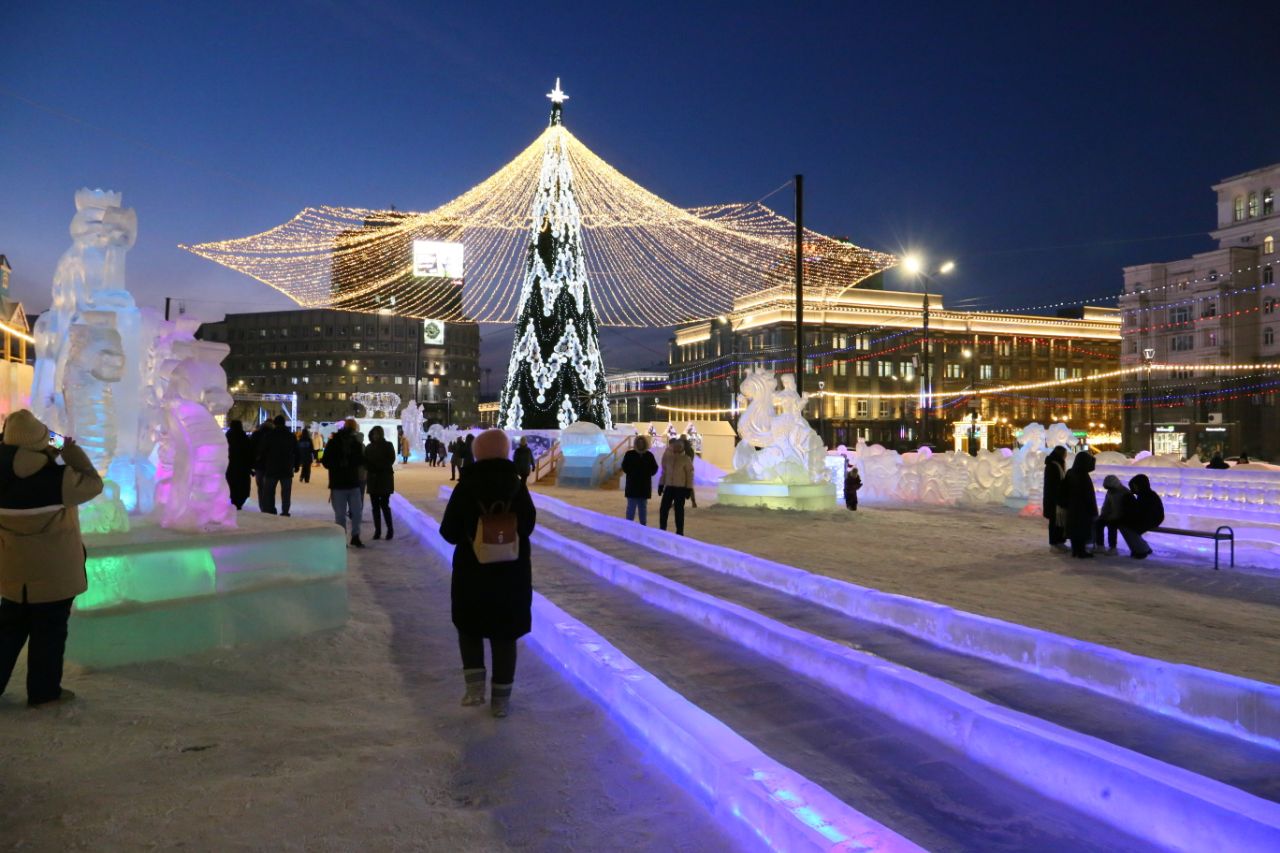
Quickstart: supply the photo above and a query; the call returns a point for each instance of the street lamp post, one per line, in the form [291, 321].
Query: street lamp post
[914, 266]
[1148, 355]
[448, 408]
[822, 411]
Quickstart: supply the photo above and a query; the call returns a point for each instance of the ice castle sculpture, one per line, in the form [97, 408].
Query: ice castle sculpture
[129, 386]
[780, 462]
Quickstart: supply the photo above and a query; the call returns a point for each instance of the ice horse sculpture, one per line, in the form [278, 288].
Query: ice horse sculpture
[780, 462]
[102, 375]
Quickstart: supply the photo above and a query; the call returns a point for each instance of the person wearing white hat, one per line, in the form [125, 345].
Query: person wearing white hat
[42, 557]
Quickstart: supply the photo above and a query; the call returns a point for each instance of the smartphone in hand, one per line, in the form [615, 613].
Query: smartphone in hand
[56, 441]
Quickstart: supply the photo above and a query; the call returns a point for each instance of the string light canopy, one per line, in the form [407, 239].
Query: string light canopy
[650, 263]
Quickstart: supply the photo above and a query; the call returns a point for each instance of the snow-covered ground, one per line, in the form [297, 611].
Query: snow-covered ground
[343, 740]
[1173, 606]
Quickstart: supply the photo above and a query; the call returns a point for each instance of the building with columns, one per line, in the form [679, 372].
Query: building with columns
[865, 352]
[1214, 308]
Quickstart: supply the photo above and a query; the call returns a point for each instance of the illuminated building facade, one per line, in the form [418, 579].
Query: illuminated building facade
[634, 395]
[864, 349]
[1216, 308]
[326, 356]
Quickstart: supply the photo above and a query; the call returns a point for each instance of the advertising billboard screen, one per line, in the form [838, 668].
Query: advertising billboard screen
[433, 333]
[432, 259]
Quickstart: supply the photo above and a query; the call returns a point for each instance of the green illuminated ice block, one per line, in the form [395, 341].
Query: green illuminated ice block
[156, 593]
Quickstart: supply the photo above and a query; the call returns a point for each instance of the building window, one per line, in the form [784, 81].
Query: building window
[1182, 343]
[1268, 202]
[884, 368]
[886, 408]
[1180, 314]
[863, 409]
[1269, 306]
[1268, 274]
[1253, 205]
[984, 371]
[1210, 309]
[954, 371]
[1268, 336]
[1059, 373]
[1238, 209]
[1268, 245]
[862, 368]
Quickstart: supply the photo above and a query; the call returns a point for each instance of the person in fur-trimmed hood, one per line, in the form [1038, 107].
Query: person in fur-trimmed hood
[42, 557]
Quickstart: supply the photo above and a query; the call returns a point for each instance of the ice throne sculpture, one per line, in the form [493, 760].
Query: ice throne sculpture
[780, 462]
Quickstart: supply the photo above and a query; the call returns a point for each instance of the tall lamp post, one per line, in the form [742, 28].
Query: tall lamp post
[1148, 355]
[448, 408]
[354, 367]
[914, 265]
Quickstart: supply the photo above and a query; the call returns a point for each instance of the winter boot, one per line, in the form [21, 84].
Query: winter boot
[356, 543]
[475, 686]
[377, 533]
[500, 701]
[391, 531]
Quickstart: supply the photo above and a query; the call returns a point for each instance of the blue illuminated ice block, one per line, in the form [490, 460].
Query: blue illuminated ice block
[583, 445]
[156, 593]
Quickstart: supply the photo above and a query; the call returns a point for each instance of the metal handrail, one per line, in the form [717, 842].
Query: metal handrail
[546, 464]
[623, 445]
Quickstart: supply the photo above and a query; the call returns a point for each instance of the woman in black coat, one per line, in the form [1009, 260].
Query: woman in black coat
[379, 461]
[490, 600]
[1078, 498]
[639, 466]
[239, 463]
[1055, 468]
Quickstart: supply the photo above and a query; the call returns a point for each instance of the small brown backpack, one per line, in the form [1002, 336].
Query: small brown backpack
[497, 537]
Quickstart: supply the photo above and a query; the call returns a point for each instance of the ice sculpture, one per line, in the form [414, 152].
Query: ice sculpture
[376, 403]
[411, 423]
[778, 445]
[119, 378]
[192, 487]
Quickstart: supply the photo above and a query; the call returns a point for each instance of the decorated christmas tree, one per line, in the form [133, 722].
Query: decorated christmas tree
[556, 374]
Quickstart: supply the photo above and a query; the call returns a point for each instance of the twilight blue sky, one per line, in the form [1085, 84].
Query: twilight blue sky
[987, 132]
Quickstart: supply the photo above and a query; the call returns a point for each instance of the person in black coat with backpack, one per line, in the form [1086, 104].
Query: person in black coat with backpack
[639, 466]
[1055, 468]
[490, 600]
[1144, 512]
[1078, 498]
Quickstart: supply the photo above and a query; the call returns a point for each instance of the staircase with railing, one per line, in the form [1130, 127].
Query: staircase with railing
[544, 470]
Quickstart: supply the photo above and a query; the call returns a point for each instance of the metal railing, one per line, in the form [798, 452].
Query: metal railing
[547, 463]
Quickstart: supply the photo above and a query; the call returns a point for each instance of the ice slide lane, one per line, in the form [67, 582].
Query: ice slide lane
[1239, 708]
[767, 805]
[1250, 766]
[1163, 804]
[884, 768]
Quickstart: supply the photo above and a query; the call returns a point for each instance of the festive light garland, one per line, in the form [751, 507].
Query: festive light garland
[5, 328]
[651, 263]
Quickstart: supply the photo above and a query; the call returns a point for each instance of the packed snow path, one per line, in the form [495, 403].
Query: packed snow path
[1242, 764]
[351, 739]
[929, 793]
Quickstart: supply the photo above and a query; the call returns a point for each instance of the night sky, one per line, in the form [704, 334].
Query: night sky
[1043, 146]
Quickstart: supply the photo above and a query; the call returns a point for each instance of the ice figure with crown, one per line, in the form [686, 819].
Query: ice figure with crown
[780, 462]
[143, 398]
